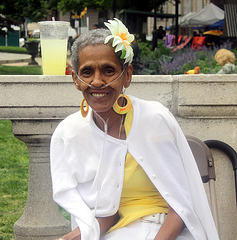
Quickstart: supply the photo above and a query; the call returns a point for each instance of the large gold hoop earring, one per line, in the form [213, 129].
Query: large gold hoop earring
[83, 111]
[124, 109]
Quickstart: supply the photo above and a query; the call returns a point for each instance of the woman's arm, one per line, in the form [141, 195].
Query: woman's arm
[105, 224]
[171, 228]
[73, 235]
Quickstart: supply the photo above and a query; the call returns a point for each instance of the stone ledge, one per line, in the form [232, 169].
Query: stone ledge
[194, 111]
[37, 112]
[208, 93]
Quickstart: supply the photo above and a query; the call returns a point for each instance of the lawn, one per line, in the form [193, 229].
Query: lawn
[20, 70]
[11, 49]
[14, 160]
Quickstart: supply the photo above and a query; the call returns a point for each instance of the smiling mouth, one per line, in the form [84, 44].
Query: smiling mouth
[99, 94]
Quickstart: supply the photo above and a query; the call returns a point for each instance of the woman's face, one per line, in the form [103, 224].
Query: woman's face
[98, 65]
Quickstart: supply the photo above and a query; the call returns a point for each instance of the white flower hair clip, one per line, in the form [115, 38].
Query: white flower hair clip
[122, 39]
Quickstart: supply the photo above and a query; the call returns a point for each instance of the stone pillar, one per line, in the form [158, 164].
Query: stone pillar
[41, 219]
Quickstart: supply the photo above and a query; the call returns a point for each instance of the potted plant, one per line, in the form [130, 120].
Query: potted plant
[32, 47]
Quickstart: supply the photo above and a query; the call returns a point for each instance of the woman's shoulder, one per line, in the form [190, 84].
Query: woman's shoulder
[70, 125]
[151, 112]
[148, 106]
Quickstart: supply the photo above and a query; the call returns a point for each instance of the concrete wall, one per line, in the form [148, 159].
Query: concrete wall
[204, 105]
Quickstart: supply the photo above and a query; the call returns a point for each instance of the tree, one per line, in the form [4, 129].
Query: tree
[19, 10]
[79, 5]
[71, 5]
[140, 5]
[5, 23]
[103, 5]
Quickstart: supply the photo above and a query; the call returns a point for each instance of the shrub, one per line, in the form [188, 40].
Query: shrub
[163, 61]
[150, 60]
[11, 49]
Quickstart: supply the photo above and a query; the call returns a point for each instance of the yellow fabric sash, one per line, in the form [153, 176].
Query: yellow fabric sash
[139, 196]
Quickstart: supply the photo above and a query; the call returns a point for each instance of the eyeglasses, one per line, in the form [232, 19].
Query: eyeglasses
[107, 79]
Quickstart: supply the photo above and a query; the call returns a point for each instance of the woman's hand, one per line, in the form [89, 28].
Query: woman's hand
[73, 235]
[105, 224]
[171, 228]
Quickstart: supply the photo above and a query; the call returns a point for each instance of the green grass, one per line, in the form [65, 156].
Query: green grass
[14, 160]
[10, 49]
[20, 70]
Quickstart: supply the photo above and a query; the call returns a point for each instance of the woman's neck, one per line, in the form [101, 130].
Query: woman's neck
[114, 122]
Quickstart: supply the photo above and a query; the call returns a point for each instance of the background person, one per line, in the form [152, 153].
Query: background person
[161, 32]
[121, 166]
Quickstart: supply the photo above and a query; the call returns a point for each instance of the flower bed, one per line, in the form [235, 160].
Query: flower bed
[163, 61]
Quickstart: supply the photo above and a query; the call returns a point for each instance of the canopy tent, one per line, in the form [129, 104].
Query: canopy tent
[207, 16]
[186, 18]
[218, 24]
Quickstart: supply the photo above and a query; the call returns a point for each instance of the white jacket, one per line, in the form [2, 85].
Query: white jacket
[79, 149]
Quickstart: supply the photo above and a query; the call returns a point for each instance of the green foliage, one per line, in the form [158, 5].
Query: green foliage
[164, 61]
[162, 49]
[37, 10]
[20, 70]
[33, 39]
[69, 5]
[151, 59]
[147, 58]
[145, 50]
[79, 5]
[18, 10]
[52, 4]
[14, 160]
[10, 49]
[139, 4]
[100, 4]
[65, 213]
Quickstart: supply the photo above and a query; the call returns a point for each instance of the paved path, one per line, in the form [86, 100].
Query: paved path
[8, 58]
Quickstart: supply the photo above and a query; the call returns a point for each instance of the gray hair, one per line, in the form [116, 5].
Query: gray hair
[91, 38]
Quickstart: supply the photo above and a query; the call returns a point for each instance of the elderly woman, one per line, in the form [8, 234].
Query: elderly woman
[121, 166]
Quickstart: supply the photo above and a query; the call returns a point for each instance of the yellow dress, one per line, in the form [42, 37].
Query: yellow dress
[139, 197]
